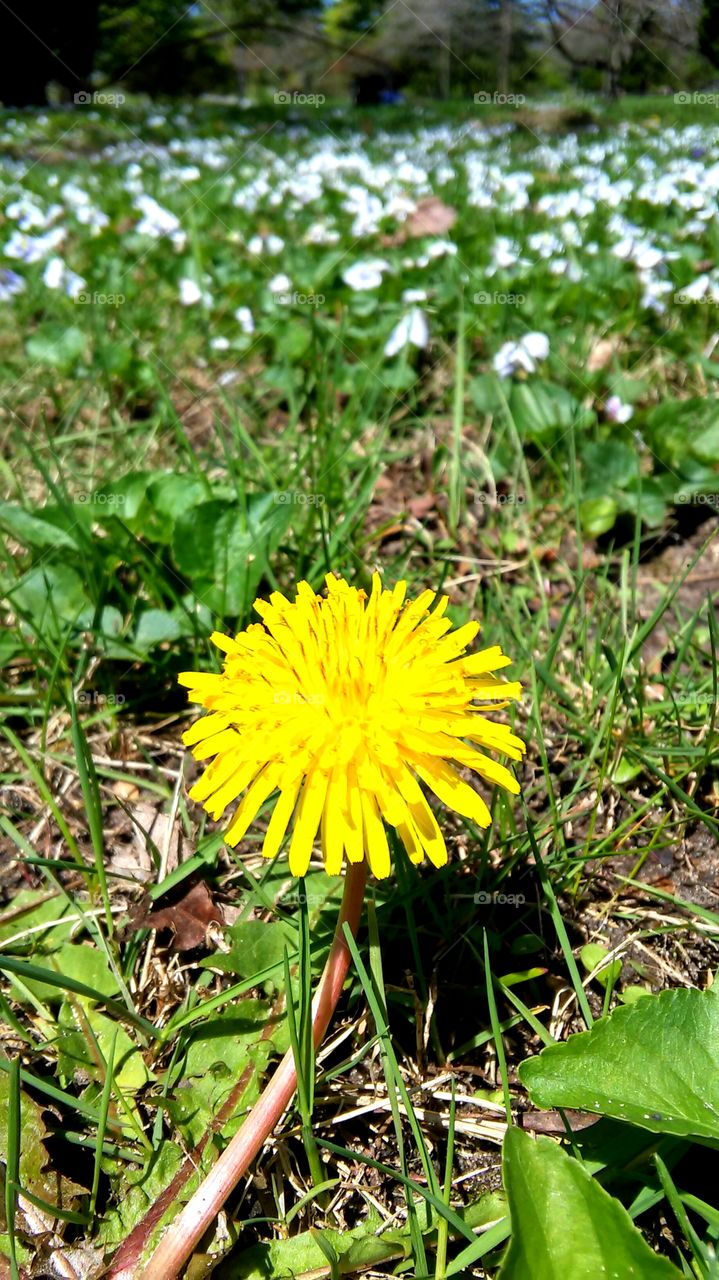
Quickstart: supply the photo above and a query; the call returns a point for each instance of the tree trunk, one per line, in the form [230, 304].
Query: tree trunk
[505, 46]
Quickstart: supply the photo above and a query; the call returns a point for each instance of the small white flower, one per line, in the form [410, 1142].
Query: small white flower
[412, 330]
[697, 289]
[536, 344]
[220, 344]
[53, 274]
[10, 284]
[364, 275]
[524, 354]
[414, 295]
[616, 411]
[73, 283]
[190, 292]
[59, 276]
[33, 248]
[648, 258]
[243, 316]
[280, 284]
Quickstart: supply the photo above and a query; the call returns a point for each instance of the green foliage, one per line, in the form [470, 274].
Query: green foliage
[564, 1223]
[627, 1066]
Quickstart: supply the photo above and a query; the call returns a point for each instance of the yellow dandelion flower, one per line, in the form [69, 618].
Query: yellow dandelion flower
[343, 705]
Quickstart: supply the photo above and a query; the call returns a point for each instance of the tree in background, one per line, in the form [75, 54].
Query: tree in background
[443, 49]
[709, 31]
[164, 45]
[612, 36]
[439, 48]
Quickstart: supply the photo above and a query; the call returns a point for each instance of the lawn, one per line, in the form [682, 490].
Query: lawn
[472, 349]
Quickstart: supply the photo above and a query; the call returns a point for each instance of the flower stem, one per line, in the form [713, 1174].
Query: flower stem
[180, 1239]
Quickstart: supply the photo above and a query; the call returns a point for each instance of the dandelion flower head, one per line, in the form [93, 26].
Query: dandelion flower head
[348, 709]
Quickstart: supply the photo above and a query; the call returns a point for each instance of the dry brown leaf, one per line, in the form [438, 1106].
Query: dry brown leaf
[188, 919]
[422, 505]
[430, 217]
[600, 355]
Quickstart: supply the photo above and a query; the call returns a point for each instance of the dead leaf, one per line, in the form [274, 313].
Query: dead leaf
[189, 919]
[125, 790]
[600, 355]
[421, 506]
[150, 831]
[430, 217]
[557, 1121]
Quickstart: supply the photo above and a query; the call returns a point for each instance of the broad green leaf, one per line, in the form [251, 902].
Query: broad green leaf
[229, 1049]
[125, 499]
[653, 1063]
[301, 1255]
[705, 446]
[564, 1224]
[630, 995]
[59, 345]
[31, 530]
[254, 945]
[37, 1172]
[592, 955]
[156, 626]
[170, 496]
[138, 1190]
[52, 594]
[540, 409]
[35, 920]
[224, 549]
[597, 515]
[626, 770]
[485, 393]
[114, 357]
[82, 1032]
[678, 428]
[82, 962]
[608, 463]
[292, 340]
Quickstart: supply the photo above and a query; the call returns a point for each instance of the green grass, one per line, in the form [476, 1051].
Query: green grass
[141, 509]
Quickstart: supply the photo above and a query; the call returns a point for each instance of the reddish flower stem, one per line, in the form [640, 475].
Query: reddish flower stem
[182, 1236]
